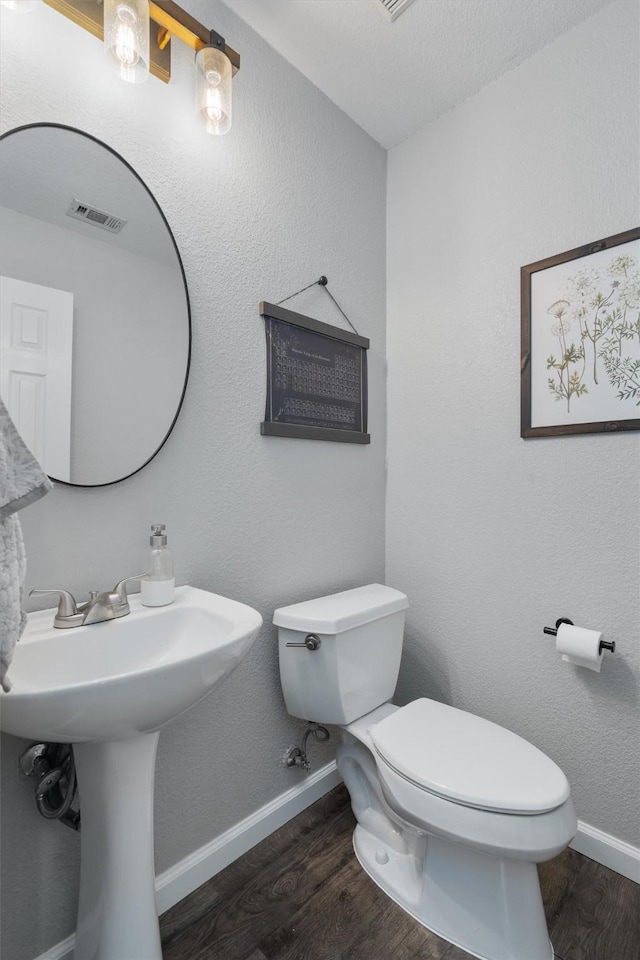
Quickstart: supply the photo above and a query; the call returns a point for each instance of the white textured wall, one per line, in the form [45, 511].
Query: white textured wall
[493, 537]
[295, 190]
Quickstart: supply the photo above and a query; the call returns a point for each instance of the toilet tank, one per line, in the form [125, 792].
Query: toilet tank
[355, 668]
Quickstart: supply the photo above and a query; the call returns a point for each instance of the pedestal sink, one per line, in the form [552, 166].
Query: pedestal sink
[108, 688]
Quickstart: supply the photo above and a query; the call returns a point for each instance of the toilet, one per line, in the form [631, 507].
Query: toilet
[453, 811]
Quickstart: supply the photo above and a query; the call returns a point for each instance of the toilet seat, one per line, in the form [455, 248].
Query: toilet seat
[535, 837]
[463, 758]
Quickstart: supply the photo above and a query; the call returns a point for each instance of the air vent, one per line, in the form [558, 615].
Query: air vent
[392, 8]
[83, 211]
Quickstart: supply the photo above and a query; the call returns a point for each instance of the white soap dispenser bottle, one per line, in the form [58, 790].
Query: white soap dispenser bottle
[157, 588]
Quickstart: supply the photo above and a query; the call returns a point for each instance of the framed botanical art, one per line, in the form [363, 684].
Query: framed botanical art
[580, 365]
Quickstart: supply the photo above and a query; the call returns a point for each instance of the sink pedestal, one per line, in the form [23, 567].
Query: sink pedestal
[117, 913]
[96, 687]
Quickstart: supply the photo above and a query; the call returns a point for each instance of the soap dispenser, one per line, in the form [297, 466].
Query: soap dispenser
[157, 587]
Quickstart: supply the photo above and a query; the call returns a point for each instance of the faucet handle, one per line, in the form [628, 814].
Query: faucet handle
[67, 606]
[67, 614]
[121, 589]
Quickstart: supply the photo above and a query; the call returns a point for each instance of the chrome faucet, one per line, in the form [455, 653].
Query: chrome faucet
[109, 605]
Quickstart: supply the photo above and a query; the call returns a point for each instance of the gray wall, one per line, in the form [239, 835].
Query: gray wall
[491, 536]
[295, 190]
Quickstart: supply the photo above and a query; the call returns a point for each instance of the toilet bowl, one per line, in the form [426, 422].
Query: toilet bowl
[453, 812]
[465, 871]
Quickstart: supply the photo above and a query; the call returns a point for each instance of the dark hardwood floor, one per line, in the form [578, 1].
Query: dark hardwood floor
[301, 895]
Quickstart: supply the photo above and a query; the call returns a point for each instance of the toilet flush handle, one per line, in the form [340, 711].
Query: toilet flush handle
[311, 642]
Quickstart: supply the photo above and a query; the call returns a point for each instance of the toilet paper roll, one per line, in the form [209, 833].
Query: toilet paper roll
[579, 646]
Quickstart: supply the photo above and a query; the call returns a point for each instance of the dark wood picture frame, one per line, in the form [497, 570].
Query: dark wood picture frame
[576, 355]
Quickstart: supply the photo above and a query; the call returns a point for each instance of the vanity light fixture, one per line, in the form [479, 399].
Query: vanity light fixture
[213, 86]
[126, 37]
[121, 24]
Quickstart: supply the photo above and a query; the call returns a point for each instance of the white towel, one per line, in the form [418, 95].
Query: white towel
[22, 481]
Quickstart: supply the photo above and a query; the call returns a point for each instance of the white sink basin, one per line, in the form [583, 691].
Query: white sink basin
[108, 688]
[113, 680]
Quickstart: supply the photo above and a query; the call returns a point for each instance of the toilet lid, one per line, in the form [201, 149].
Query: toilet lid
[469, 760]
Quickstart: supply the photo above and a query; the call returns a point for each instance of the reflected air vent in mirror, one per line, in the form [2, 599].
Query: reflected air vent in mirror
[392, 8]
[83, 211]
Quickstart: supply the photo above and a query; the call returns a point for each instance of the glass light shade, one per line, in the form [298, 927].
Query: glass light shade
[22, 6]
[126, 37]
[213, 90]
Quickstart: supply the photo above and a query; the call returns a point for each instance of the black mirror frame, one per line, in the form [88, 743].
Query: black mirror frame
[101, 143]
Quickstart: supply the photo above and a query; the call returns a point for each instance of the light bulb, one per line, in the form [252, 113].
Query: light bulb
[125, 48]
[126, 37]
[213, 99]
[213, 89]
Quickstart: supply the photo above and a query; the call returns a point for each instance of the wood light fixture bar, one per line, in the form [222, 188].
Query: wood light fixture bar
[168, 20]
[176, 22]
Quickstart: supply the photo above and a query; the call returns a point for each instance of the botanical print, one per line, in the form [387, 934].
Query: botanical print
[585, 338]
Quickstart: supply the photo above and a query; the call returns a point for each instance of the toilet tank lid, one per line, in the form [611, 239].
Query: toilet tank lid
[342, 611]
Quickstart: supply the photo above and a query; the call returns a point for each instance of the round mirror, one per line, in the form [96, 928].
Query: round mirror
[95, 328]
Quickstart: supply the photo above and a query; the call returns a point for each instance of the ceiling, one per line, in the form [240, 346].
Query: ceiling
[43, 168]
[393, 77]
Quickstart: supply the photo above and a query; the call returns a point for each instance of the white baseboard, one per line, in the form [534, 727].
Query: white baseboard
[191, 872]
[61, 951]
[187, 875]
[607, 850]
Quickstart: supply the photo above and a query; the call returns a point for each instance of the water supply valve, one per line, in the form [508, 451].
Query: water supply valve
[297, 756]
[294, 757]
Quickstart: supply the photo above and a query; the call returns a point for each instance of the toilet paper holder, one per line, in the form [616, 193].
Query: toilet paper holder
[553, 632]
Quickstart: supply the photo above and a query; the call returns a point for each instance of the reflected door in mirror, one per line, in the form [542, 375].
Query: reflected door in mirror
[36, 344]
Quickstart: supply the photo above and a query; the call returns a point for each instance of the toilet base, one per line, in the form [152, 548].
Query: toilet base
[488, 906]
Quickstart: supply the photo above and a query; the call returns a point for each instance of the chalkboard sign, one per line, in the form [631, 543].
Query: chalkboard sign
[316, 379]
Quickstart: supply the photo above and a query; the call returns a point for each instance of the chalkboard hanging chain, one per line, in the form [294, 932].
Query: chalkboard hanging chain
[338, 305]
[291, 296]
[322, 282]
